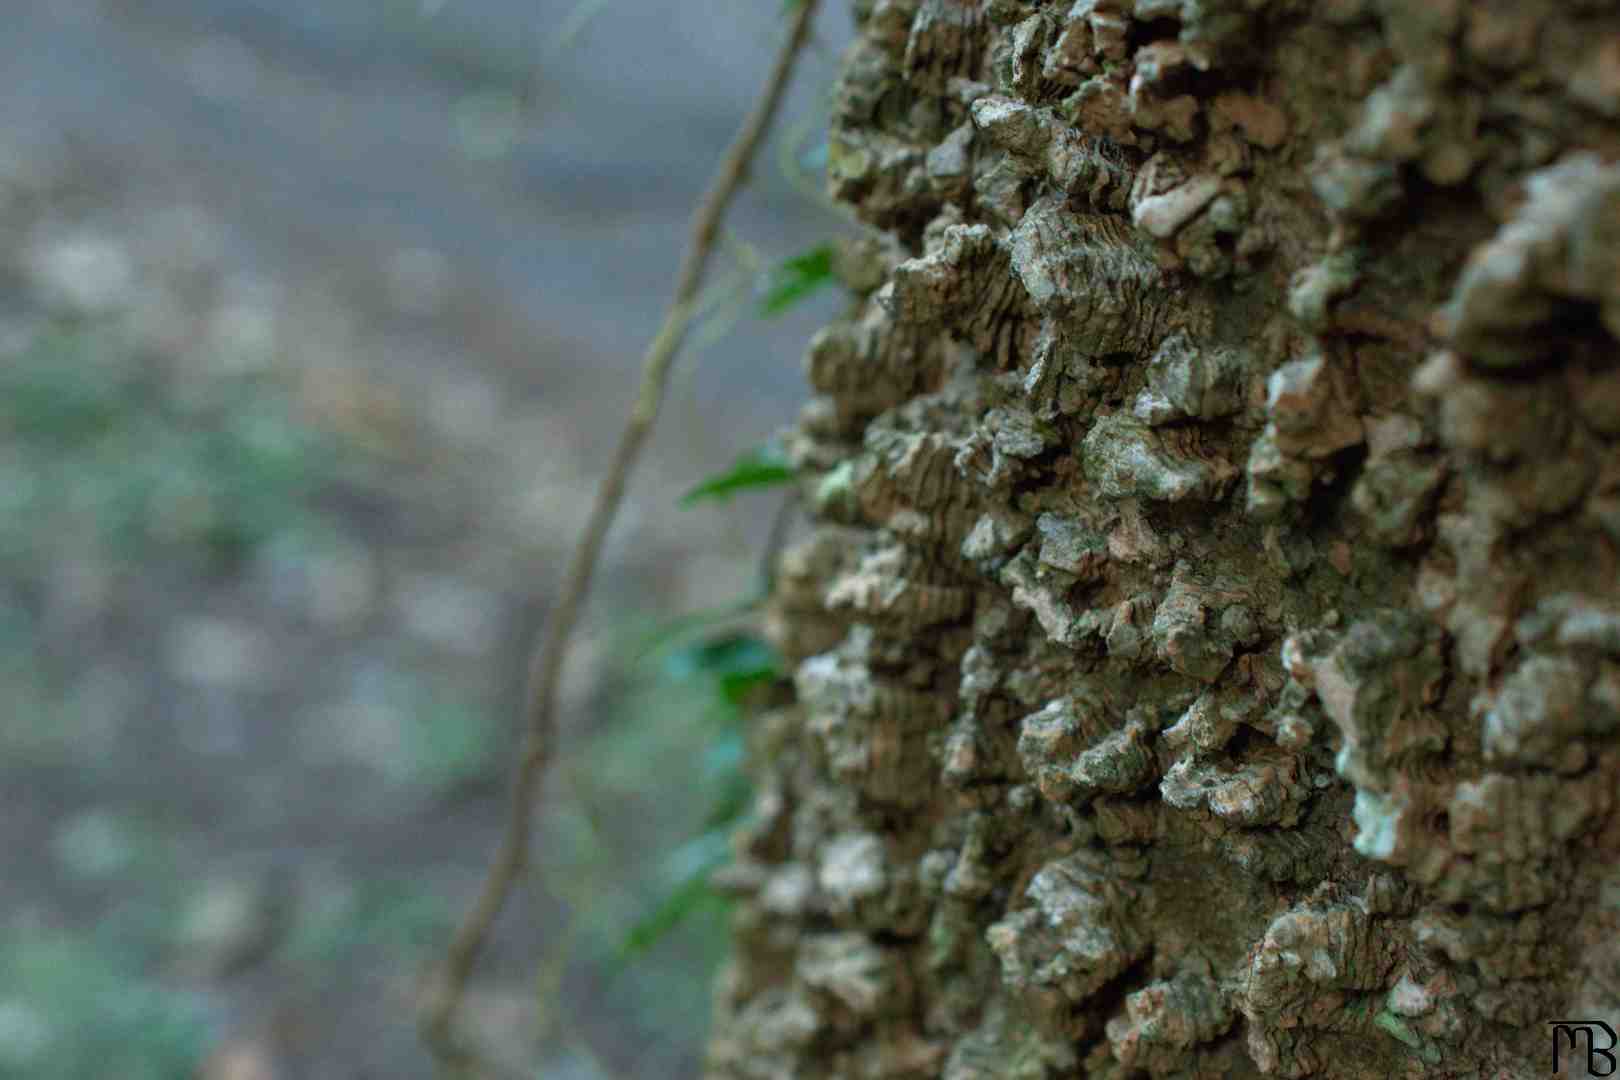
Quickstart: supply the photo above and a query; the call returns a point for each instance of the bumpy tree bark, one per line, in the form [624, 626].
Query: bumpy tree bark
[1208, 651]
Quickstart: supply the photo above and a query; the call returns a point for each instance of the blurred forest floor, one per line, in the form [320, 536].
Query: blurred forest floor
[313, 337]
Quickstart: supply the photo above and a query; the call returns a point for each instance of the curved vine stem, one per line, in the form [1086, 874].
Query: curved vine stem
[445, 984]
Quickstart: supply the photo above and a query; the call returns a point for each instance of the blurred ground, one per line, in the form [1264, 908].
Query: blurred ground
[316, 323]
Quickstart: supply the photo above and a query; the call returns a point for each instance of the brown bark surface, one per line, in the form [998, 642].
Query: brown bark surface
[1208, 650]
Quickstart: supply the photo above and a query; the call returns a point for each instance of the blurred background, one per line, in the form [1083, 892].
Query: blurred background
[317, 324]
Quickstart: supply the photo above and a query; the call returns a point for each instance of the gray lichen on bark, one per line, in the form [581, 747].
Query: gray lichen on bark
[1208, 648]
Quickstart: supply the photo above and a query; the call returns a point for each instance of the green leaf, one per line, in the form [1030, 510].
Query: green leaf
[735, 795]
[669, 913]
[755, 469]
[797, 278]
[670, 630]
[696, 860]
[728, 654]
[735, 685]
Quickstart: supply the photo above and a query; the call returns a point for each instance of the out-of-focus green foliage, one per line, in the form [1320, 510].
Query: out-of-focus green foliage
[729, 667]
[74, 1009]
[98, 446]
[396, 917]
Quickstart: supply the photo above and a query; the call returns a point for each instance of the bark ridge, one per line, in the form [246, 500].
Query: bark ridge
[1208, 648]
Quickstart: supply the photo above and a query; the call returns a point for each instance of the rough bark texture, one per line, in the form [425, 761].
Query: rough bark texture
[1208, 651]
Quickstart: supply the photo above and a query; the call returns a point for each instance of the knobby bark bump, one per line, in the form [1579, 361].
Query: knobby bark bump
[1207, 650]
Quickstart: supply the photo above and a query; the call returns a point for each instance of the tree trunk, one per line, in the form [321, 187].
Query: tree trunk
[1207, 653]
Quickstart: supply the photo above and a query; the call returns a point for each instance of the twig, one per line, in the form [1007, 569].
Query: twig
[445, 986]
